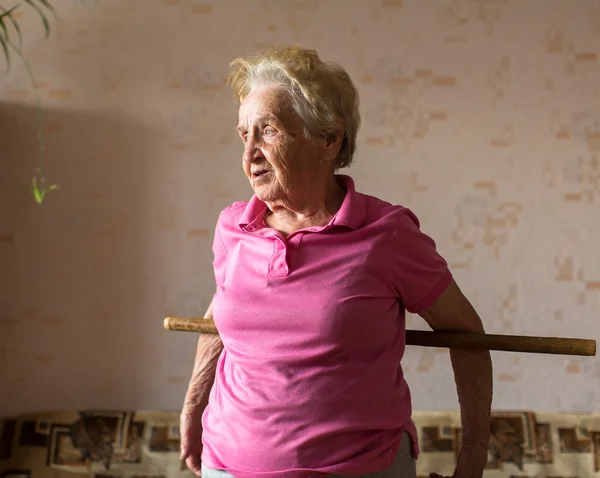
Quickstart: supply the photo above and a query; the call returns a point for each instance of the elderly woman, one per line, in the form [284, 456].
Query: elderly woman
[313, 280]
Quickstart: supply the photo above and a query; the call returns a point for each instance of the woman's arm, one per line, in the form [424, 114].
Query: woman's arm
[473, 376]
[208, 351]
[196, 399]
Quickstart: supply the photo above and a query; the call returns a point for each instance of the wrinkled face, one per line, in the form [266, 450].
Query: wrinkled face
[280, 162]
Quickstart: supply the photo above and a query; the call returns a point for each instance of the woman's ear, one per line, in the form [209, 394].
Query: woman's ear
[333, 143]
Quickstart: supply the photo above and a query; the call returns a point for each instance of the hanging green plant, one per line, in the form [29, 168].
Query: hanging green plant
[9, 29]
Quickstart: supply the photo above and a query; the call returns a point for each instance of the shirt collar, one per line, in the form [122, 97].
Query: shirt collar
[353, 210]
[351, 214]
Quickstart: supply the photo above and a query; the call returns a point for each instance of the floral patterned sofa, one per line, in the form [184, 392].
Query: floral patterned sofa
[145, 444]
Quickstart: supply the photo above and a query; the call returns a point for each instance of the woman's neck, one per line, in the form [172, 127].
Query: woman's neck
[316, 208]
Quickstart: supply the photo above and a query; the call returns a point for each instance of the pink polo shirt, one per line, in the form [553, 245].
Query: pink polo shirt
[309, 382]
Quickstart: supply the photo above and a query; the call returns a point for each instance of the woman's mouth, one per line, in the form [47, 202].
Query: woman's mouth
[258, 174]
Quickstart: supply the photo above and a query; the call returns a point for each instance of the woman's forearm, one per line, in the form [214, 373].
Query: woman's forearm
[203, 375]
[473, 376]
[472, 368]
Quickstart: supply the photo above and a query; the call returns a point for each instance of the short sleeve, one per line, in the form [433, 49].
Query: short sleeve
[219, 253]
[420, 273]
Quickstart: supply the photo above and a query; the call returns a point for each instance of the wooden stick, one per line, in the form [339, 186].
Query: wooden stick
[461, 340]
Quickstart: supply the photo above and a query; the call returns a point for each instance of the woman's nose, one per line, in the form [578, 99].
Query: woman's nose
[251, 151]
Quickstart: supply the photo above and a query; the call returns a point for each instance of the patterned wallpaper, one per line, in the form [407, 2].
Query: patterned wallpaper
[482, 116]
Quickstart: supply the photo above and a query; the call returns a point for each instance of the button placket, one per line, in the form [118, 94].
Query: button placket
[278, 266]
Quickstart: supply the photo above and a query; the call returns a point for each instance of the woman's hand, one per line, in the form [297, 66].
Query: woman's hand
[190, 430]
[471, 463]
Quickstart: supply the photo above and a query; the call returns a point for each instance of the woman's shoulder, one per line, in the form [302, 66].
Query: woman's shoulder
[395, 215]
[233, 212]
[235, 208]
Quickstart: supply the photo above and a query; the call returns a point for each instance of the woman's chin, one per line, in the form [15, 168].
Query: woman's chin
[264, 192]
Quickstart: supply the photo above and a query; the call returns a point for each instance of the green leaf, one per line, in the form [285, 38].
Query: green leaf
[7, 13]
[39, 192]
[40, 12]
[4, 44]
[4, 29]
[48, 6]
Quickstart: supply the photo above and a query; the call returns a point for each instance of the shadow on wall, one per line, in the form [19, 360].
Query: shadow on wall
[71, 269]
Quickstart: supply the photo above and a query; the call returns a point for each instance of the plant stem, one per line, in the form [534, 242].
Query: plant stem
[39, 191]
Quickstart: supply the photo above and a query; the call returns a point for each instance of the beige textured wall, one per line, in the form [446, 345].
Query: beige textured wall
[482, 116]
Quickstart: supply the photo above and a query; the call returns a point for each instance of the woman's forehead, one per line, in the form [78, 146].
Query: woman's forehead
[266, 103]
